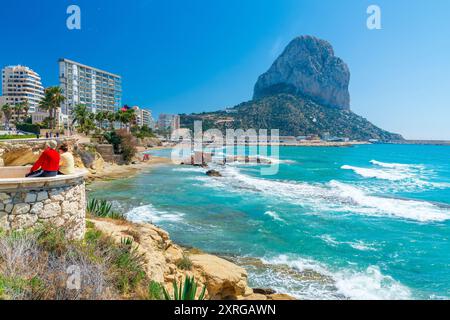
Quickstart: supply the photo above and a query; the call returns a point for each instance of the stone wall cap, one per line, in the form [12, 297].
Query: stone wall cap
[30, 182]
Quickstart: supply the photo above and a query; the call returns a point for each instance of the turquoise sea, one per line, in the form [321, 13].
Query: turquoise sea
[364, 222]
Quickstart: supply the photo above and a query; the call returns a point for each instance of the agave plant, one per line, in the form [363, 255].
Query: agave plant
[102, 208]
[187, 291]
[126, 242]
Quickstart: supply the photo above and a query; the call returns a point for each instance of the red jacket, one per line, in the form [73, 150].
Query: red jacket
[48, 161]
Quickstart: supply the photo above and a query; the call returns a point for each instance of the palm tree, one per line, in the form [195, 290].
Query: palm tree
[80, 115]
[111, 117]
[126, 118]
[25, 107]
[7, 113]
[100, 117]
[51, 102]
[17, 111]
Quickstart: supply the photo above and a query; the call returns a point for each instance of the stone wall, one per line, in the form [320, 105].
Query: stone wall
[60, 202]
[107, 153]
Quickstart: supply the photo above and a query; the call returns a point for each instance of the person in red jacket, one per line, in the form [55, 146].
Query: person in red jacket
[48, 163]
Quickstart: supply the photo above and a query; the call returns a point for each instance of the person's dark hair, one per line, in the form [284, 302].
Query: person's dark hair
[64, 147]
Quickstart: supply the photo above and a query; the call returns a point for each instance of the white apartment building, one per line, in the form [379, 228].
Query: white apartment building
[20, 84]
[147, 119]
[143, 117]
[169, 121]
[98, 90]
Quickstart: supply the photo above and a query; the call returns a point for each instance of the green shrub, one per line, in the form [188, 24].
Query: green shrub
[127, 145]
[143, 132]
[92, 235]
[184, 263]
[28, 127]
[52, 239]
[155, 291]
[113, 138]
[16, 287]
[188, 291]
[130, 267]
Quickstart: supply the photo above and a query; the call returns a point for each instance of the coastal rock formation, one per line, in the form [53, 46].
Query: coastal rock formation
[19, 154]
[213, 173]
[22, 153]
[309, 68]
[224, 280]
[305, 92]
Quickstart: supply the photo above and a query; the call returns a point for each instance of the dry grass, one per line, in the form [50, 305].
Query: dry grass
[43, 265]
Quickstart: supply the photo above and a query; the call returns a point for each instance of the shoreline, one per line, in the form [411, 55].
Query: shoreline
[115, 172]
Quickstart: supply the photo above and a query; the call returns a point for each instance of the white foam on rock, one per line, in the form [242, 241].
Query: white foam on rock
[365, 284]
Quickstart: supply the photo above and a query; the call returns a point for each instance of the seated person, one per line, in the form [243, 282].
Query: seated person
[48, 163]
[67, 163]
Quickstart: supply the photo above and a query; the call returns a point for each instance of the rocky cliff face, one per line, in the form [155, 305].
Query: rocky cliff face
[224, 280]
[304, 92]
[309, 68]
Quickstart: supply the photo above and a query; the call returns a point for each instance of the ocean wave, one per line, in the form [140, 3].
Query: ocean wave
[276, 160]
[379, 174]
[378, 206]
[332, 197]
[407, 177]
[274, 216]
[148, 213]
[395, 165]
[366, 284]
[190, 169]
[358, 244]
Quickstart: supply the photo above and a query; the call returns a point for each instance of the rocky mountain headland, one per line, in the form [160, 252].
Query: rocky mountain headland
[304, 92]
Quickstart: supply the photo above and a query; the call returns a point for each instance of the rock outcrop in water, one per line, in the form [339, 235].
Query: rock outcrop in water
[308, 67]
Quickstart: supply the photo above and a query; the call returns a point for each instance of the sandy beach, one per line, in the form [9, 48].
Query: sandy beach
[114, 171]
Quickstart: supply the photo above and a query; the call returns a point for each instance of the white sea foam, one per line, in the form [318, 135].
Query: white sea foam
[357, 244]
[273, 215]
[407, 177]
[276, 160]
[395, 165]
[334, 196]
[346, 283]
[148, 213]
[379, 173]
[190, 169]
[379, 206]
[370, 284]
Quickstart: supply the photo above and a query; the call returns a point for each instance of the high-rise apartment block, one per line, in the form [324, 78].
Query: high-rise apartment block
[21, 84]
[169, 121]
[98, 90]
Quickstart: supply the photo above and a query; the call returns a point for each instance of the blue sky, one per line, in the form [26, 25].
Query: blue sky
[198, 55]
